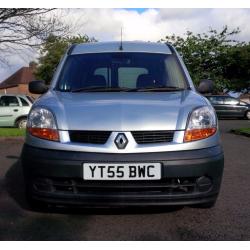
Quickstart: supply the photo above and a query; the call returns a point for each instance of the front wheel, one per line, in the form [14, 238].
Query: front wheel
[21, 123]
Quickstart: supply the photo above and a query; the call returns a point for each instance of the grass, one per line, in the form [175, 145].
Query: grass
[9, 132]
[245, 130]
[242, 131]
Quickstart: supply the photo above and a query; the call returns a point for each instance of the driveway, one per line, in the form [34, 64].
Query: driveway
[228, 220]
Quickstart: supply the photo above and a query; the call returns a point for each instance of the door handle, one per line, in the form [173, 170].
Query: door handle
[15, 110]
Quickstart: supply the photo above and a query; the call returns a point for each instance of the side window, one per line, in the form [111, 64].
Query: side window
[175, 76]
[24, 102]
[30, 98]
[243, 104]
[127, 76]
[9, 101]
[230, 101]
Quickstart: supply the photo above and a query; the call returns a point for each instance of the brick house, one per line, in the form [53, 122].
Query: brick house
[18, 82]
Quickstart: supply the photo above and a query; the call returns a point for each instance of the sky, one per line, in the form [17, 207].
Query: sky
[140, 24]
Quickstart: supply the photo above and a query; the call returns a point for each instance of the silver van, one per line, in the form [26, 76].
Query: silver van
[122, 124]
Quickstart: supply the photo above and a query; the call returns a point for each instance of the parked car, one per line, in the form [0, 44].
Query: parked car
[14, 110]
[122, 125]
[227, 106]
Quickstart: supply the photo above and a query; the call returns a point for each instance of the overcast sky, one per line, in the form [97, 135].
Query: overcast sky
[142, 24]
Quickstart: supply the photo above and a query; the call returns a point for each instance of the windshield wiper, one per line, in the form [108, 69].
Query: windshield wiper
[158, 89]
[100, 89]
[124, 89]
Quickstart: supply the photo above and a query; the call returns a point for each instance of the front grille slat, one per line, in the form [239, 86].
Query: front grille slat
[92, 137]
[163, 136]
[141, 137]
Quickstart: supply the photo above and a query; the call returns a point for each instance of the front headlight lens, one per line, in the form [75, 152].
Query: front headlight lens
[202, 124]
[41, 123]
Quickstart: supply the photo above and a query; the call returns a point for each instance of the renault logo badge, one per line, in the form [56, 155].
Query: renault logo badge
[121, 141]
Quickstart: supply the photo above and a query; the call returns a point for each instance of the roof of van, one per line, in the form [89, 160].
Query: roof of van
[101, 47]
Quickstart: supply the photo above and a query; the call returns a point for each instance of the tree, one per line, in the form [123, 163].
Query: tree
[208, 55]
[237, 66]
[52, 51]
[27, 28]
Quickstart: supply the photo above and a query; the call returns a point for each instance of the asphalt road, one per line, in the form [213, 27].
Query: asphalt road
[228, 220]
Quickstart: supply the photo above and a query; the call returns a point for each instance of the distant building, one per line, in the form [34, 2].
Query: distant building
[18, 82]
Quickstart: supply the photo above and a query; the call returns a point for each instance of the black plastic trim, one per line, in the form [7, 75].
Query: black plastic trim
[45, 163]
[71, 48]
[49, 154]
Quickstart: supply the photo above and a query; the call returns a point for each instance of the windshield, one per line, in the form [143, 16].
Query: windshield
[121, 71]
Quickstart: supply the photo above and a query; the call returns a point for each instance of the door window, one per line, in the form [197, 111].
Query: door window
[9, 101]
[243, 104]
[216, 100]
[230, 101]
[30, 98]
[24, 102]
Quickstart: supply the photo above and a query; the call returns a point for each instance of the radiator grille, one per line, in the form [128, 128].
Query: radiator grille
[142, 137]
[93, 137]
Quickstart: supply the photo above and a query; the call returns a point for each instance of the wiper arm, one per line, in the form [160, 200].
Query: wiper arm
[120, 89]
[99, 89]
[90, 88]
[160, 88]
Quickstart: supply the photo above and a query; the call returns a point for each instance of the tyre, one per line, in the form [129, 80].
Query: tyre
[248, 115]
[21, 123]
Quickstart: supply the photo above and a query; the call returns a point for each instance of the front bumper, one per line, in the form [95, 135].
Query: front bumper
[55, 176]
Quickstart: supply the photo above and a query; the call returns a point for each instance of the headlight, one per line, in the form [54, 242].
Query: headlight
[202, 123]
[41, 123]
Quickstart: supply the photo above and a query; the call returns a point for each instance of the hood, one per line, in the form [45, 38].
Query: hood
[122, 111]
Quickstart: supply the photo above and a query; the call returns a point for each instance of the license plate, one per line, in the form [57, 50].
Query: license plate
[125, 171]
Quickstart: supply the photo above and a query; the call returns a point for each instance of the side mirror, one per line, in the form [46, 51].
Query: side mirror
[205, 86]
[38, 87]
